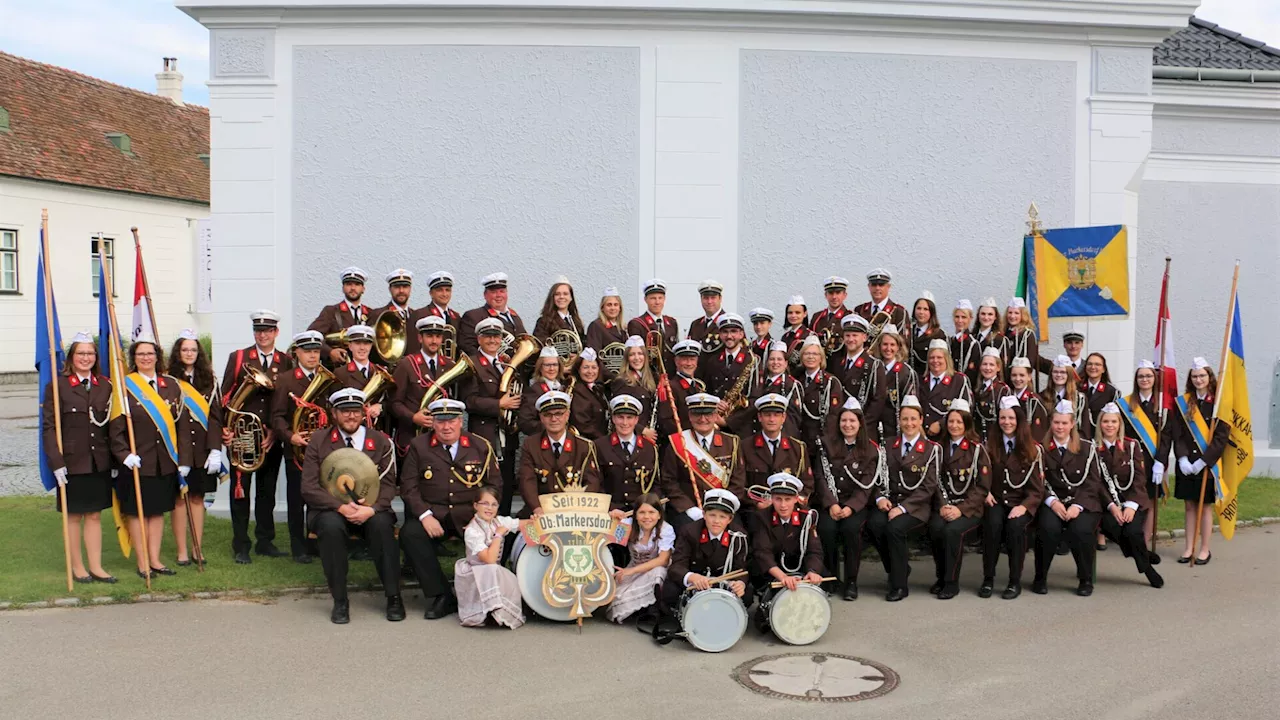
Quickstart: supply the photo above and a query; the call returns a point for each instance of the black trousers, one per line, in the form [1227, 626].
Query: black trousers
[331, 531]
[1129, 537]
[846, 532]
[997, 527]
[507, 467]
[264, 503]
[890, 539]
[1080, 534]
[423, 552]
[947, 539]
[296, 512]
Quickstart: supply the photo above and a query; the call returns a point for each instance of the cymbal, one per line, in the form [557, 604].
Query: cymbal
[348, 473]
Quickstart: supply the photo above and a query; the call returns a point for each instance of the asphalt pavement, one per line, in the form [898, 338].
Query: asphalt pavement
[1206, 645]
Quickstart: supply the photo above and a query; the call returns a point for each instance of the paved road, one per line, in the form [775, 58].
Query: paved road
[19, 428]
[1193, 650]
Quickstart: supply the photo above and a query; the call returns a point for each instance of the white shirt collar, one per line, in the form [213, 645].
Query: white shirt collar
[656, 318]
[84, 379]
[149, 378]
[491, 358]
[910, 442]
[854, 357]
[429, 358]
[775, 438]
[361, 366]
[357, 437]
[631, 439]
[702, 437]
[560, 439]
[811, 375]
[1108, 444]
[1143, 398]
[444, 309]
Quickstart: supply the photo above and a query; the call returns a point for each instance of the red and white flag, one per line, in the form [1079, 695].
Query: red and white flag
[1164, 347]
[143, 327]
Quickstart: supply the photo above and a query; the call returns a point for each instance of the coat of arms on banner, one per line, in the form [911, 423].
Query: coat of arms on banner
[577, 528]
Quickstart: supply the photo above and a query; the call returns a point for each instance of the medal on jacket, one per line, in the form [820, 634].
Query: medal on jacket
[704, 467]
[427, 475]
[471, 474]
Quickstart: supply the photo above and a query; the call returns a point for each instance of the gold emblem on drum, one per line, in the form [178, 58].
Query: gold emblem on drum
[577, 528]
[1082, 271]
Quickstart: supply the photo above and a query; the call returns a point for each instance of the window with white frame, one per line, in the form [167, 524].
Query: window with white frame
[108, 247]
[8, 261]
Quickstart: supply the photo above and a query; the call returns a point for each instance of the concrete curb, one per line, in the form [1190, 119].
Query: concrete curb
[68, 602]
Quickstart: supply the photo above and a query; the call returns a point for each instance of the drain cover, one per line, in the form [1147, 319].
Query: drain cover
[817, 677]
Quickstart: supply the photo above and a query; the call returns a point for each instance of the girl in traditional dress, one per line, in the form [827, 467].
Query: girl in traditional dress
[650, 547]
[484, 587]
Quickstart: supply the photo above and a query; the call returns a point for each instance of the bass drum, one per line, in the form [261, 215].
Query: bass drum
[713, 620]
[531, 568]
[800, 616]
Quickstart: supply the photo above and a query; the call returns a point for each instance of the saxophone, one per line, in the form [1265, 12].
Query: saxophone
[736, 398]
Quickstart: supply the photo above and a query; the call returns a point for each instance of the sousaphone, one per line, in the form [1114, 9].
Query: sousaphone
[350, 476]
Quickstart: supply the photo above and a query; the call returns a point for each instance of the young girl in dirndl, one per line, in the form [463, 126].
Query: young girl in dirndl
[650, 547]
[484, 587]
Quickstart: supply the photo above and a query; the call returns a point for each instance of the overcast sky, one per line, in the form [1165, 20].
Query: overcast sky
[123, 41]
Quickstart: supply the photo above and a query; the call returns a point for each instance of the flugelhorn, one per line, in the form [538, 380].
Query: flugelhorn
[511, 384]
[245, 452]
[307, 416]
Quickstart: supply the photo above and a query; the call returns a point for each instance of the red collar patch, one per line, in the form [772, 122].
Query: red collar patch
[897, 442]
[483, 360]
[464, 441]
[919, 446]
[724, 537]
[369, 445]
[684, 383]
[434, 441]
[794, 520]
[964, 444]
[333, 437]
[298, 373]
[896, 367]
[344, 307]
[946, 379]
[718, 440]
[351, 366]
[74, 380]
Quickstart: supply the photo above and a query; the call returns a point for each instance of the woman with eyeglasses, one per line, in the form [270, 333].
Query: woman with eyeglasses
[201, 431]
[1198, 445]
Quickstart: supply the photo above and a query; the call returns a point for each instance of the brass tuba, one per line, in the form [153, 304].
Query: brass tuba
[463, 368]
[380, 383]
[245, 451]
[511, 385]
[307, 416]
[390, 333]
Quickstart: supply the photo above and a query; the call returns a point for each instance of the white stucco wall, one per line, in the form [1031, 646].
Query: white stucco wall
[76, 215]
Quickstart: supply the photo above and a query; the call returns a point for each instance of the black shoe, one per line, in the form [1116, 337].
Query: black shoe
[1040, 587]
[935, 588]
[1063, 549]
[395, 608]
[1204, 560]
[988, 585]
[145, 576]
[341, 614]
[1085, 589]
[242, 557]
[184, 563]
[1102, 547]
[303, 559]
[1154, 578]
[949, 591]
[86, 579]
[1011, 592]
[108, 579]
[271, 551]
[1184, 559]
[851, 592]
[896, 594]
[441, 606]
[360, 554]
[163, 571]
[1153, 558]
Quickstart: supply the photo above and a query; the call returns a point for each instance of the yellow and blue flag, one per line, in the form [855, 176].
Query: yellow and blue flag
[1075, 272]
[1233, 408]
[49, 353]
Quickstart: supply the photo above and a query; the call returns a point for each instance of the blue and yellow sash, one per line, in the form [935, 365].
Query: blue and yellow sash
[195, 403]
[1141, 423]
[157, 409]
[1199, 430]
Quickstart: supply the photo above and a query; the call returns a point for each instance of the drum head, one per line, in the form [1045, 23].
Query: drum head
[801, 616]
[531, 568]
[714, 620]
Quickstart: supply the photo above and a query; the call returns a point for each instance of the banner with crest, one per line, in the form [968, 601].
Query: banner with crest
[1074, 272]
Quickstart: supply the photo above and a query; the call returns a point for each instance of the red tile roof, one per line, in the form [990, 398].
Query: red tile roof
[58, 125]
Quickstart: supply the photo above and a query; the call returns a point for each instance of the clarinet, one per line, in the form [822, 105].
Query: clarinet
[826, 469]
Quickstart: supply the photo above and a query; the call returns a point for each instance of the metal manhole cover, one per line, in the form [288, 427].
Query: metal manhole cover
[817, 677]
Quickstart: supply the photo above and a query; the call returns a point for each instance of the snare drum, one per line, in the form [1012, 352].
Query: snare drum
[713, 620]
[531, 568]
[800, 616]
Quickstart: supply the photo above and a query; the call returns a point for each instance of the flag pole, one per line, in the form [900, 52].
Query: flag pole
[57, 401]
[146, 284]
[114, 344]
[1161, 413]
[1222, 363]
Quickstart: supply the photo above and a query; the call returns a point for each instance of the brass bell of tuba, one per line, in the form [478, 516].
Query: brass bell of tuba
[380, 383]
[390, 334]
[512, 384]
[245, 452]
[463, 368]
[307, 416]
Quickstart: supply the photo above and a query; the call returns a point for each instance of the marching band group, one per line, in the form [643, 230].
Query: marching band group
[771, 455]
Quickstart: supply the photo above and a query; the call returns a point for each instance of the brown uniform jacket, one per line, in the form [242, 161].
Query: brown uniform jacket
[820, 401]
[588, 406]
[541, 472]
[431, 480]
[413, 377]
[1075, 478]
[920, 348]
[677, 484]
[259, 403]
[85, 409]
[1184, 443]
[901, 380]
[721, 370]
[681, 388]
[1084, 422]
[701, 327]
[1122, 469]
[1163, 439]
[1037, 414]
[775, 543]
[627, 477]
[966, 353]
[936, 401]
[792, 457]
[743, 421]
[697, 552]
[986, 404]
[377, 447]
[760, 346]
[856, 476]
[966, 477]
[827, 319]
[527, 418]
[642, 324]
[544, 328]
[467, 342]
[1097, 397]
[623, 385]
[600, 335]
[1021, 343]
[897, 314]
[200, 438]
[1017, 482]
[481, 396]
[913, 478]
[147, 440]
[413, 344]
[339, 316]
[349, 376]
[864, 379]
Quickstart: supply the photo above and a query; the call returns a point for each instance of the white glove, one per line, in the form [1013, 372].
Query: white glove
[1197, 466]
[184, 471]
[133, 462]
[1185, 466]
[694, 513]
[1157, 473]
[61, 476]
[213, 465]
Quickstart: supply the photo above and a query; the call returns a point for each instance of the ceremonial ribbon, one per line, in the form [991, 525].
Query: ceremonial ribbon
[157, 409]
[1199, 431]
[694, 456]
[1141, 424]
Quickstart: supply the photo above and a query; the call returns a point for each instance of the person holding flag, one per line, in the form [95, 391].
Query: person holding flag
[155, 406]
[81, 461]
[1145, 421]
[1233, 406]
[201, 430]
[1198, 443]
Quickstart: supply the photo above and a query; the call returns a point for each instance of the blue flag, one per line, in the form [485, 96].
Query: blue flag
[46, 318]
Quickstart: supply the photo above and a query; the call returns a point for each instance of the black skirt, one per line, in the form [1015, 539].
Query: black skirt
[200, 482]
[158, 493]
[88, 493]
[1187, 487]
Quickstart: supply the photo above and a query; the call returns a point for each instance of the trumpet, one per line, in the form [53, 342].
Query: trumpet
[245, 450]
[511, 385]
[337, 339]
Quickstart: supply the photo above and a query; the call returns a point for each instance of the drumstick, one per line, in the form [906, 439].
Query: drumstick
[778, 583]
[726, 577]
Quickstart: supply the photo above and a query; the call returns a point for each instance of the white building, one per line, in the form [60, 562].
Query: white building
[101, 159]
[765, 143]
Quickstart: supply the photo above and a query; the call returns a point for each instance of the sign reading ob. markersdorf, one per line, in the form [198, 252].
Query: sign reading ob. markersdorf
[576, 526]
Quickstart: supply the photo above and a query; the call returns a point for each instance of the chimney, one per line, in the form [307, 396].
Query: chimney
[169, 82]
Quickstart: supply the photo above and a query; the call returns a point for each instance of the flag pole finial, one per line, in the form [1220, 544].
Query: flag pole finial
[1034, 226]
